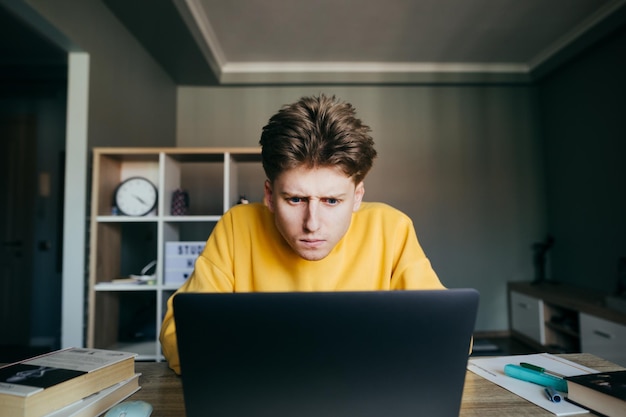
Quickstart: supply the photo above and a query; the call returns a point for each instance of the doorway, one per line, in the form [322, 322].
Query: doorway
[33, 102]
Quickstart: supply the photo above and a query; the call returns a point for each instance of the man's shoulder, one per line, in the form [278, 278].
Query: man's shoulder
[252, 213]
[382, 211]
[247, 210]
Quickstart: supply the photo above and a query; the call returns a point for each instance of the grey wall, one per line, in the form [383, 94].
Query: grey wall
[583, 113]
[132, 101]
[464, 162]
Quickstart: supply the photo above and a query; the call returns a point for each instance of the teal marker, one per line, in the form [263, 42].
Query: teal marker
[540, 378]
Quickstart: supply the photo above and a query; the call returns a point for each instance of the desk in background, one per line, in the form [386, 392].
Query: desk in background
[162, 388]
[558, 318]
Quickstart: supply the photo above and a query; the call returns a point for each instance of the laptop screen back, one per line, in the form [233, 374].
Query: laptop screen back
[357, 354]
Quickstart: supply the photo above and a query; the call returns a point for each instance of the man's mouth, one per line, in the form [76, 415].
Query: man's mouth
[312, 243]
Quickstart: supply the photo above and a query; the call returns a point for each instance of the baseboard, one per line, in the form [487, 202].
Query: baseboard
[492, 334]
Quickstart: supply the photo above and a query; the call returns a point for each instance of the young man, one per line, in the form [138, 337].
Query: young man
[313, 232]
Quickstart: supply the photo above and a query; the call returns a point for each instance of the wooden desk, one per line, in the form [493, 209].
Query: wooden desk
[481, 398]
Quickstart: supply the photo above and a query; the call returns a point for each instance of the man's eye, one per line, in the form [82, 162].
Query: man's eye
[294, 200]
[332, 201]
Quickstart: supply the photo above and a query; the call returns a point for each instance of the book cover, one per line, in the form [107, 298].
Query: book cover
[40, 385]
[602, 392]
[98, 403]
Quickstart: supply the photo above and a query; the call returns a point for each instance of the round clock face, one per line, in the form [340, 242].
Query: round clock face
[136, 196]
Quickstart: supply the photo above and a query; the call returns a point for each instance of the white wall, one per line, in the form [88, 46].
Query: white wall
[463, 161]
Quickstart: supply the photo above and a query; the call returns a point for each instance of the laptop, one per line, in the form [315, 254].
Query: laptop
[340, 354]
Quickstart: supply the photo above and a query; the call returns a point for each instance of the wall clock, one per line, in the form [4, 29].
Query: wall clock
[135, 196]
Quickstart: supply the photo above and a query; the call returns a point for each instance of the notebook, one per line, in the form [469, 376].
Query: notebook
[356, 354]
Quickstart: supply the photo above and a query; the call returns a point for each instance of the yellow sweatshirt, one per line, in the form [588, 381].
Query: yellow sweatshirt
[246, 253]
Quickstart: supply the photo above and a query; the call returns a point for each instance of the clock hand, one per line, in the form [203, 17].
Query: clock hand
[139, 198]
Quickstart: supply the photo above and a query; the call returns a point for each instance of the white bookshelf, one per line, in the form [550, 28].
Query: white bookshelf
[127, 316]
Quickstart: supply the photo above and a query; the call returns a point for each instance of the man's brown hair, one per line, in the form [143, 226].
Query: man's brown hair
[317, 132]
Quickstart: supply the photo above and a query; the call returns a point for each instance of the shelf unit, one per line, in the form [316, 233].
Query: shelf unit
[559, 318]
[124, 316]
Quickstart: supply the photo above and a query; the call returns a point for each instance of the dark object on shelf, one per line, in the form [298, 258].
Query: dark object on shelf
[569, 323]
[180, 202]
[540, 249]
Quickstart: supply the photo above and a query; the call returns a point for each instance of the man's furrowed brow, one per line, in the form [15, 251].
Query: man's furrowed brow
[336, 196]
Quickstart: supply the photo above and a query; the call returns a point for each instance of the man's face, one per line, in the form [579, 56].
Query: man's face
[313, 208]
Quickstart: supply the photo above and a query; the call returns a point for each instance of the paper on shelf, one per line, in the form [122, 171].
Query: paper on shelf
[492, 369]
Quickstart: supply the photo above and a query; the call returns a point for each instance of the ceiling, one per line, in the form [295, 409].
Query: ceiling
[364, 41]
[260, 42]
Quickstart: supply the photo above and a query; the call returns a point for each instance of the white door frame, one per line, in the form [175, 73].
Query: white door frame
[74, 208]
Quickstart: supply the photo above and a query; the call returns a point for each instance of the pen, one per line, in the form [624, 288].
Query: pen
[539, 369]
[552, 395]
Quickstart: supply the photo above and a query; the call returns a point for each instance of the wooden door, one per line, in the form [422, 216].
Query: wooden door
[17, 191]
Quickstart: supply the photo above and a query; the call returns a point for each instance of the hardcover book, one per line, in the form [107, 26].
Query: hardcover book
[46, 383]
[603, 392]
[100, 402]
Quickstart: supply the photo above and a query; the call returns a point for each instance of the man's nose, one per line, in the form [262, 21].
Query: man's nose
[311, 221]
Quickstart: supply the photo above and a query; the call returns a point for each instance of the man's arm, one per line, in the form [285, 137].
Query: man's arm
[412, 270]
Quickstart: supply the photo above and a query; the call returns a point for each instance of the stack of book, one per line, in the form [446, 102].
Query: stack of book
[72, 382]
[603, 392]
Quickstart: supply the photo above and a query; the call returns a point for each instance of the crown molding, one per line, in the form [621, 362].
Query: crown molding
[204, 35]
[371, 72]
[593, 22]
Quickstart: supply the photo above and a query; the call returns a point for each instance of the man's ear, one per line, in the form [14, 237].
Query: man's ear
[268, 195]
[359, 192]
